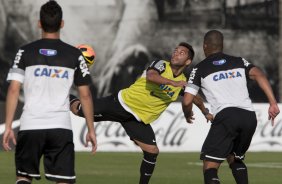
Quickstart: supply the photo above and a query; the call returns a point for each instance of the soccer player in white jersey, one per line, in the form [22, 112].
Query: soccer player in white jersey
[223, 80]
[47, 68]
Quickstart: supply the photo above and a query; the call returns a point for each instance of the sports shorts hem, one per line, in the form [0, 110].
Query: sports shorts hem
[206, 157]
[28, 175]
[59, 178]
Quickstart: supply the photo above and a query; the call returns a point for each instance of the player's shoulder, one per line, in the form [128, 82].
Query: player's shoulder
[159, 65]
[58, 42]
[232, 57]
[69, 48]
[30, 45]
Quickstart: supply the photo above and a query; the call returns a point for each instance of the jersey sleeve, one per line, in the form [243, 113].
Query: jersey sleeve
[194, 82]
[247, 65]
[82, 74]
[158, 65]
[17, 71]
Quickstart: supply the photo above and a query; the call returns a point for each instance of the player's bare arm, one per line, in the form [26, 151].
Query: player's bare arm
[11, 105]
[187, 107]
[87, 107]
[155, 77]
[256, 74]
[198, 101]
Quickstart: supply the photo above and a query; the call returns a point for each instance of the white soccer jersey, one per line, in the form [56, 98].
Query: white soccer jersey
[47, 68]
[223, 80]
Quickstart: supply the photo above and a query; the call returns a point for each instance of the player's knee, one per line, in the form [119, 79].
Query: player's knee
[154, 150]
[23, 181]
[150, 149]
[237, 165]
[74, 104]
[150, 157]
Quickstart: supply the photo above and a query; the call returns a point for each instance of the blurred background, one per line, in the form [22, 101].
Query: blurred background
[128, 35]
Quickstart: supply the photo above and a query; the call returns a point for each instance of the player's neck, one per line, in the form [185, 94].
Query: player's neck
[177, 70]
[55, 35]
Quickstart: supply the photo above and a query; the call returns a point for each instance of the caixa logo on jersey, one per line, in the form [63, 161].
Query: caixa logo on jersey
[227, 75]
[51, 72]
[48, 52]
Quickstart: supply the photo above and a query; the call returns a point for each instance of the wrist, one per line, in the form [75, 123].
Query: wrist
[272, 103]
[8, 126]
[206, 111]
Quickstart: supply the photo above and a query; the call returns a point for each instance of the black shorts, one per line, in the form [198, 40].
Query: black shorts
[109, 109]
[56, 145]
[231, 133]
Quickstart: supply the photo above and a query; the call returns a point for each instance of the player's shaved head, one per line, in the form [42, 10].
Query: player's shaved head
[213, 42]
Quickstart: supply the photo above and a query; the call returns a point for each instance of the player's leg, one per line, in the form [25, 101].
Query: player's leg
[27, 156]
[74, 104]
[59, 156]
[150, 154]
[144, 136]
[218, 144]
[210, 170]
[247, 123]
[239, 169]
[105, 109]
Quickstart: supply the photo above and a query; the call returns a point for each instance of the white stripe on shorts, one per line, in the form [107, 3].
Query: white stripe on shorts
[27, 174]
[61, 177]
[216, 158]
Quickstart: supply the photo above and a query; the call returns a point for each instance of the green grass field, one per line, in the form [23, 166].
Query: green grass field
[171, 168]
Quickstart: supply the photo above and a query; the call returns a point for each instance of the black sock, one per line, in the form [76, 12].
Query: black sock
[239, 171]
[210, 176]
[147, 167]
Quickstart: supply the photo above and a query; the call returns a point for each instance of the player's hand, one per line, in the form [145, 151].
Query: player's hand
[209, 117]
[179, 84]
[273, 111]
[91, 137]
[190, 118]
[8, 135]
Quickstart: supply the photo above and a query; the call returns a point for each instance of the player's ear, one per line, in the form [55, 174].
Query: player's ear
[39, 24]
[188, 61]
[62, 24]
[205, 46]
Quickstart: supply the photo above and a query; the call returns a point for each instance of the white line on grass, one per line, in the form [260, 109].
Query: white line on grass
[272, 165]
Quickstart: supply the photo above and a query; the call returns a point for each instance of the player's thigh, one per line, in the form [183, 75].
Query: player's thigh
[248, 124]
[219, 141]
[59, 156]
[29, 150]
[109, 109]
[139, 131]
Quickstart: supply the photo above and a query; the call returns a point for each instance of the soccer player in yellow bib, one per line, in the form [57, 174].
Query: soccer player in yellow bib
[144, 101]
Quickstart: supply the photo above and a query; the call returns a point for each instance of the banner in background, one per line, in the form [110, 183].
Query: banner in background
[173, 134]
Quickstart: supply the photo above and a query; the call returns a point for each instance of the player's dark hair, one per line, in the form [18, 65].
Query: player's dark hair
[214, 39]
[51, 15]
[191, 52]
